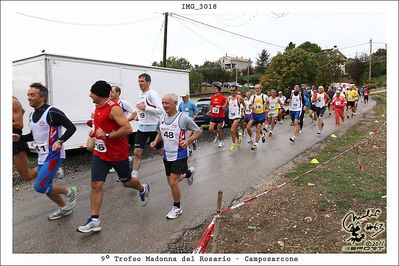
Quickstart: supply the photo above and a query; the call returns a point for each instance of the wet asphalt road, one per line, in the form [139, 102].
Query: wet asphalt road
[128, 227]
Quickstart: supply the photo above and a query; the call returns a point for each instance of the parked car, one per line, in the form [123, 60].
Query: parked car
[203, 118]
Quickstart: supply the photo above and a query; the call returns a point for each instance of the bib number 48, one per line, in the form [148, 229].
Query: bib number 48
[168, 135]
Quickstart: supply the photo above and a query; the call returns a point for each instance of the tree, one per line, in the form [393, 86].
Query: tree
[379, 63]
[262, 62]
[310, 47]
[212, 71]
[196, 78]
[290, 46]
[355, 69]
[329, 67]
[295, 66]
[174, 62]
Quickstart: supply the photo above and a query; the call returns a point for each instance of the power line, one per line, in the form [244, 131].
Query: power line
[83, 24]
[236, 34]
[156, 41]
[360, 44]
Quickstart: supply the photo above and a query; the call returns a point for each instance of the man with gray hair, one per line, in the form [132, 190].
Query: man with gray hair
[172, 130]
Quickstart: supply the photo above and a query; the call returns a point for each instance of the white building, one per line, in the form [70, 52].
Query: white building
[239, 63]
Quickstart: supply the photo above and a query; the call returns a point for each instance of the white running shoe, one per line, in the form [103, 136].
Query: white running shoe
[190, 180]
[145, 195]
[318, 132]
[71, 198]
[221, 144]
[215, 140]
[292, 139]
[61, 212]
[60, 173]
[174, 213]
[91, 225]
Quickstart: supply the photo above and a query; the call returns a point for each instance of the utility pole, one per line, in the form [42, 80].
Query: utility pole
[165, 38]
[249, 65]
[236, 73]
[371, 47]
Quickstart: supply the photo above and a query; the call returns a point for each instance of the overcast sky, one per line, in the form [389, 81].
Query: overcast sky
[130, 32]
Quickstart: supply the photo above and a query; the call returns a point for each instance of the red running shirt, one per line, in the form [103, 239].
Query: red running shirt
[116, 149]
[216, 102]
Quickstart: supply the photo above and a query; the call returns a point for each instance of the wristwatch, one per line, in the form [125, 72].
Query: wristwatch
[106, 135]
[61, 141]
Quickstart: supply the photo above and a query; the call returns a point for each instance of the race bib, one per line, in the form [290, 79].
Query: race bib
[99, 145]
[169, 135]
[41, 147]
[141, 115]
[337, 103]
[248, 111]
[215, 110]
[295, 104]
[258, 107]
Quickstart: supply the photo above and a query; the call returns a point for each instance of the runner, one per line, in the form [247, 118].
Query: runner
[173, 131]
[330, 93]
[46, 124]
[128, 111]
[305, 105]
[234, 102]
[351, 98]
[321, 100]
[312, 110]
[20, 148]
[216, 111]
[274, 103]
[356, 95]
[111, 129]
[191, 109]
[281, 110]
[259, 106]
[150, 109]
[248, 116]
[366, 93]
[338, 105]
[296, 104]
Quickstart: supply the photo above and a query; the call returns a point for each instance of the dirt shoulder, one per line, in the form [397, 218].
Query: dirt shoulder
[308, 214]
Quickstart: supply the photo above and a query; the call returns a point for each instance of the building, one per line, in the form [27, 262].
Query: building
[338, 52]
[230, 63]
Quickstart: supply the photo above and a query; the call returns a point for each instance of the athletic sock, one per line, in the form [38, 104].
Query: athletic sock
[94, 216]
[188, 174]
[176, 204]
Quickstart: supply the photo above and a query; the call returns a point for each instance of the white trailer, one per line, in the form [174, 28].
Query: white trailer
[69, 80]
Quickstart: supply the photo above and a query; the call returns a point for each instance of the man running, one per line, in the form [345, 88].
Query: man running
[281, 109]
[306, 104]
[218, 105]
[128, 111]
[351, 98]
[366, 94]
[46, 132]
[338, 105]
[321, 100]
[248, 116]
[150, 109]
[173, 131]
[234, 102]
[259, 106]
[20, 148]
[330, 93]
[296, 104]
[274, 104]
[191, 109]
[111, 129]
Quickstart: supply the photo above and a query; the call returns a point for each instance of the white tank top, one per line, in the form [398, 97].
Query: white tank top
[295, 103]
[145, 117]
[172, 134]
[273, 105]
[44, 137]
[320, 102]
[248, 110]
[234, 108]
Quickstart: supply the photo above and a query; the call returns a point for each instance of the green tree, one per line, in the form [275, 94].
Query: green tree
[290, 46]
[262, 62]
[310, 47]
[174, 62]
[212, 71]
[196, 78]
[292, 67]
[328, 67]
[355, 69]
[379, 63]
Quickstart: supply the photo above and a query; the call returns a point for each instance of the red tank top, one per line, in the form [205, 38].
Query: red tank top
[117, 149]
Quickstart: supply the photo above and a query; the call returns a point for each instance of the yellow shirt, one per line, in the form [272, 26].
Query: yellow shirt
[259, 103]
[353, 95]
